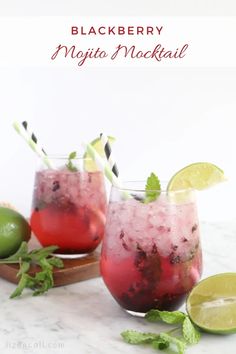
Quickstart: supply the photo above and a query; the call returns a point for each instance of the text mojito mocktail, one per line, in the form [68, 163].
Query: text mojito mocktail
[69, 209]
[151, 255]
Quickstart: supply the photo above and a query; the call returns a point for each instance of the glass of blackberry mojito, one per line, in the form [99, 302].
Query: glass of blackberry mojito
[151, 254]
[69, 205]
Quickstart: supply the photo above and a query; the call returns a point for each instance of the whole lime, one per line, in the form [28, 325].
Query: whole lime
[13, 230]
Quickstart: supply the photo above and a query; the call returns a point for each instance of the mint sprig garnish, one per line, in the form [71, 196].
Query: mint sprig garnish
[178, 337]
[42, 281]
[71, 167]
[152, 188]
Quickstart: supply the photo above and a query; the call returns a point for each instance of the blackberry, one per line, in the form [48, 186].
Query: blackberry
[56, 186]
[194, 228]
[174, 258]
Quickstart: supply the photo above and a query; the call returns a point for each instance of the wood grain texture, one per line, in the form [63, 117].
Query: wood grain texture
[74, 270]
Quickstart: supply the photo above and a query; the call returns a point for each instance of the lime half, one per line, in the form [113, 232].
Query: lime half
[89, 164]
[199, 175]
[211, 304]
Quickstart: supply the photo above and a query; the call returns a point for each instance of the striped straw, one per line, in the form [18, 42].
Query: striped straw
[103, 165]
[108, 153]
[32, 135]
[113, 166]
[32, 141]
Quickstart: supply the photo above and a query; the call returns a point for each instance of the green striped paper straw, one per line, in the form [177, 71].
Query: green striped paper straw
[26, 136]
[103, 165]
[108, 153]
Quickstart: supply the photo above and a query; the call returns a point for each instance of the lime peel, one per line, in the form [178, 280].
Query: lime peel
[199, 176]
[14, 229]
[211, 305]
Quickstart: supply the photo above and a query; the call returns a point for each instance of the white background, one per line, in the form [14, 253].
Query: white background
[121, 7]
[162, 119]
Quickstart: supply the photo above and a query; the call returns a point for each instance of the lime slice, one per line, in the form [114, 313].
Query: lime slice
[89, 164]
[211, 304]
[199, 175]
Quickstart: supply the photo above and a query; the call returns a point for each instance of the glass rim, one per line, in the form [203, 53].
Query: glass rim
[142, 190]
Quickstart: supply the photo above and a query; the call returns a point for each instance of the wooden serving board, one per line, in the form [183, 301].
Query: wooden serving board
[74, 270]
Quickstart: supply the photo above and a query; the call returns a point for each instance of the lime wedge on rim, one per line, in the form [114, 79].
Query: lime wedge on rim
[89, 164]
[199, 175]
[211, 304]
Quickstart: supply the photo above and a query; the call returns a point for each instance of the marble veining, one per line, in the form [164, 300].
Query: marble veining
[83, 318]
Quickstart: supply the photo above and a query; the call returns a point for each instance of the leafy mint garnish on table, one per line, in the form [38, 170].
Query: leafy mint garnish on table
[152, 188]
[178, 338]
[42, 281]
[71, 167]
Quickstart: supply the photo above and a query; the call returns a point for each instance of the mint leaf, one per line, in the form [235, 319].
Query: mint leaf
[153, 316]
[24, 268]
[160, 344]
[152, 188]
[21, 253]
[43, 280]
[177, 342]
[71, 167]
[135, 337]
[72, 155]
[177, 338]
[24, 282]
[174, 317]
[40, 253]
[56, 262]
[190, 332]
[158, 341]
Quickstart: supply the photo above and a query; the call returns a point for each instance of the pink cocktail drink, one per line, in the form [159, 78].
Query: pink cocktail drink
[69, 209]
[151, 255]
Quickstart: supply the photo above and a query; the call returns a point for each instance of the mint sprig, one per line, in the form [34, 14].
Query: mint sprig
[152, 188]
[71, 167]
[43, 280]
[178, 338]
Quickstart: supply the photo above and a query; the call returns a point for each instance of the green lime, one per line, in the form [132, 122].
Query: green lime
[199, 175]
[211, 305]
[89, 164]
[13, 230]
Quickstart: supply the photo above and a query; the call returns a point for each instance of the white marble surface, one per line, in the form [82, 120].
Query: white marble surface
[84, 319]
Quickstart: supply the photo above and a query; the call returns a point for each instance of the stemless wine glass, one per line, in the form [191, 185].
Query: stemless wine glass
[69, 205]
[151, 254]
